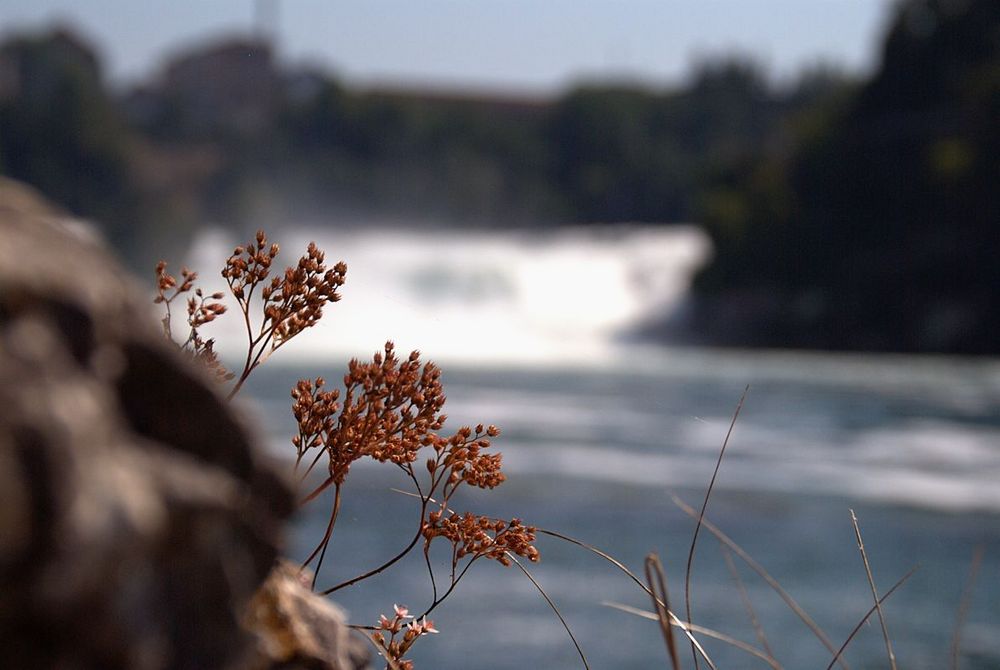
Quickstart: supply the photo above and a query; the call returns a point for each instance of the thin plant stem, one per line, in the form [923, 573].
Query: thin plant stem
[251, 342]
[326, 543]
[759, 569]
[701, 630]
[167, 333]
[430, 572]
[454, 583]
[745, 597]
[387, 564]
[317, 491]
[871, 583]
[621, 566]
[321, 547]
[657, 581]
[964, 603]
[319, 455]
[555, 609]
[854, 631]
[382, 651]
[701, 516]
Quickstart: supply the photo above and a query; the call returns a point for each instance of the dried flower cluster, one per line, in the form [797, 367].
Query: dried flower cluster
[294, 300]
[390, 410]
[482, 537]
[465, 461]
[387, 629]
[199, 312]
[315, 412]
[290, 302]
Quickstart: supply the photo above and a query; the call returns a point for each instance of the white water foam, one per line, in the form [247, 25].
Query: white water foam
[952, 468]
[556, 297]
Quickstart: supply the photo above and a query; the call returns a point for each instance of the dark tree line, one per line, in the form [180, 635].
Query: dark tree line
[881, 229]
[845, 214]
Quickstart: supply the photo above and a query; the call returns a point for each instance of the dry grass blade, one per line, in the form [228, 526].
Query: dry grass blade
[701, 630]
[661, 603]
[963, 606]
[836, 656]
[745, 597]
[759, 569]
[621, 566]
[704, 506]
[555, 609]
[871, 583]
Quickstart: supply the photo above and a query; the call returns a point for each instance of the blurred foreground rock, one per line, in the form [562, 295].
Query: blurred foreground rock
[136, 521]
[298, 629]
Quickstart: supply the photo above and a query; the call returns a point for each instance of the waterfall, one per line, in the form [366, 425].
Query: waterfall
[559, 296]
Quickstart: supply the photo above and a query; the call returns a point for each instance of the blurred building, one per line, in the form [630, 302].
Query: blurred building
[33, 69]
[229, 85]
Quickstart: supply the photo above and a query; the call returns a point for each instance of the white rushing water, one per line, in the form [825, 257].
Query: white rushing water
[557, 297]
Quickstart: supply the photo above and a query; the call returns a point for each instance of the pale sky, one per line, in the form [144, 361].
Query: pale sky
[518, 45]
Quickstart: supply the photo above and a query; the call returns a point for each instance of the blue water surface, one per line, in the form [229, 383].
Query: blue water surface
[911, 445]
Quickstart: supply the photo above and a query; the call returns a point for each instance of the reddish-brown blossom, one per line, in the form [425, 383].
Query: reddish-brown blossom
[387, 629]
[314, 410]
[390, 410]
[200, 311]
[293, 300]
[481, 536]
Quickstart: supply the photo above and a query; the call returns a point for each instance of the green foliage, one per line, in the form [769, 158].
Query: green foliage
[597, 153]
[59, 130]
[844, 215]
[880, 230]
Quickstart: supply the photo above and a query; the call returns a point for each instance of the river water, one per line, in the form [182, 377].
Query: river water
[599, 431]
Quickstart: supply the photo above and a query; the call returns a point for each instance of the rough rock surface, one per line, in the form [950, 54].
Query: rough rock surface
[297, 629]
[136, 520]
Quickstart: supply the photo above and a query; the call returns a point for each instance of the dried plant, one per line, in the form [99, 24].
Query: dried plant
[199, 313]
[389, 410]
[411, 629]
[291, 302]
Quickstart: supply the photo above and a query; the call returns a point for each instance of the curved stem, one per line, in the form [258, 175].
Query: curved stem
[325, 542]
[245, 308]
[765, 575]
[701, 630]
[318, 490]
[621, 566]
[319, 455]
[871, 582]
[555, 609]
[701, 517]
[839, 652]
[454, 583]
[430, 571]
[387, 564]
